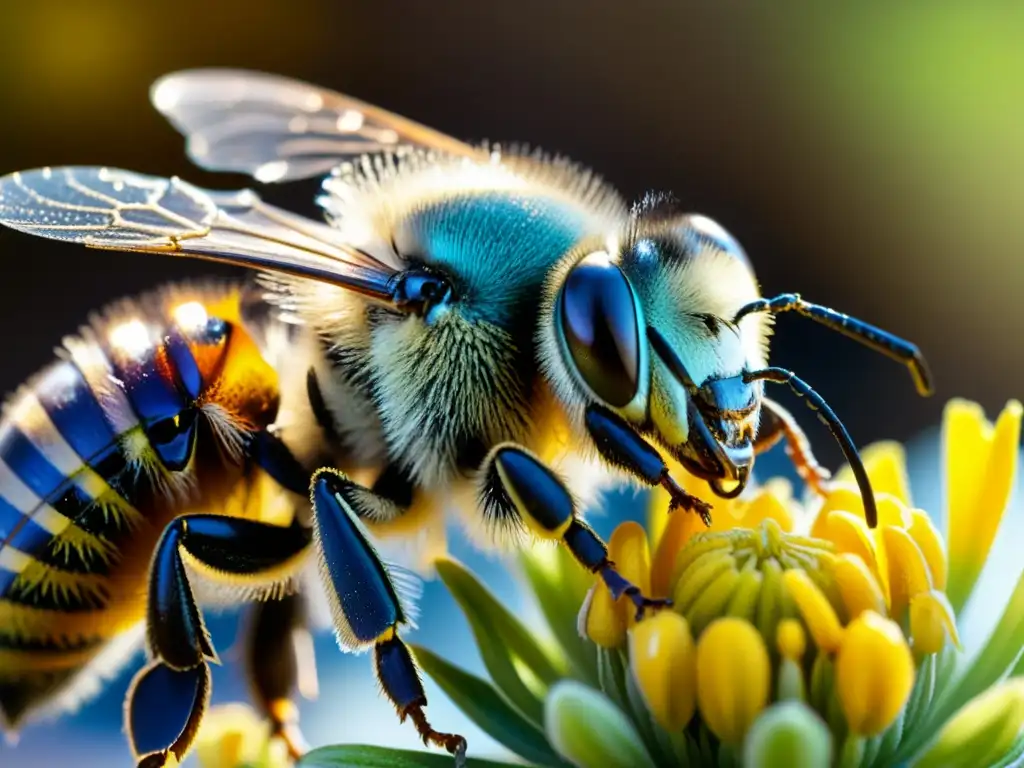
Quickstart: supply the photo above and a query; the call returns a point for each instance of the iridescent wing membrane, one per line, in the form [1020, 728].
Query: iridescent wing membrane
[270, 127]
[119, 210]
[276, 129]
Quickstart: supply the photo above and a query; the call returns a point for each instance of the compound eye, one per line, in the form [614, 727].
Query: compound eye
[598, 317]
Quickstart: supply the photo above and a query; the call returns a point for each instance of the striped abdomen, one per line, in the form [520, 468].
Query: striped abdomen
[143, 416]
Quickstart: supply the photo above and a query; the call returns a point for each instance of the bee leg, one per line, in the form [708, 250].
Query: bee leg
[622, 447]
[519, 490]
[367, 601]
[776, 424]
[279, 660]
[271, 454]
[167, 699]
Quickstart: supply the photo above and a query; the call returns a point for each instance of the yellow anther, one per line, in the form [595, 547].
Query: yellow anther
[932, 622]
[733, 677]
[700, 575]
[857, 586]
[818, 614]
[874, 673]
[791, 639]
[663, 660]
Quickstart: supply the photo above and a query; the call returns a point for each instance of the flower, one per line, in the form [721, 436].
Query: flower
[797, 635]
[235, 736]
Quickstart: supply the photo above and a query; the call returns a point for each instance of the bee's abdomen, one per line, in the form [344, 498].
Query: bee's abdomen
[97, 452]
[66, 493]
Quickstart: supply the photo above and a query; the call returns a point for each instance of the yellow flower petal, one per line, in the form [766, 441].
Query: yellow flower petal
[600, 619]
[733, 677]
[851, 534]
[679, 528]
[841, 497]
[846, 498]
[886, 464]
[663, 660]
[982, 732]
[768, 505]
[932, 622]
[791, 639]
[980, 466]
[874, 673]
[817, 612]
[628, 549]
[857, 586]
[908, 571]
[928, 538]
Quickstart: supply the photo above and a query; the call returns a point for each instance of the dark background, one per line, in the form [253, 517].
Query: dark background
[870, 158]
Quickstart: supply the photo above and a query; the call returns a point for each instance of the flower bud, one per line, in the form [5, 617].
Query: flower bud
[733, 677]
[663, 660]
[983, 732]
[600, 619]
[874, 673]
[788, 733]
[589, 731]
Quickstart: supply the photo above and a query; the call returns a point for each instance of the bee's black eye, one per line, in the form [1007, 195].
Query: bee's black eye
[598, 319]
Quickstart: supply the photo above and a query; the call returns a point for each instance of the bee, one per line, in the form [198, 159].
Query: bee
[469, 327]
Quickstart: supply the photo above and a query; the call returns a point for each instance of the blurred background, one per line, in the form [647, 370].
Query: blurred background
[869, 157]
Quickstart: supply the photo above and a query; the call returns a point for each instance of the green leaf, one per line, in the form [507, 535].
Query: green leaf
[481, 703]
[612, 674]
[505, 645]
[589, 731]
[990, 665]
[560, 584]
[360, 756]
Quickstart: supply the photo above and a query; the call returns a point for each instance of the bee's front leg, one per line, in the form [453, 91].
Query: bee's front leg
[622, 447]
[168, 697]
[520, 492]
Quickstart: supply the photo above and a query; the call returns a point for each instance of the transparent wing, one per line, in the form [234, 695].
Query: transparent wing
[125, 211]
[277, 129]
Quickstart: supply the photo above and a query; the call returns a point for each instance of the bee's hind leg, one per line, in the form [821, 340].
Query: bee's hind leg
[366, 597]
[279, 660]
[168, 697]
[520, 491]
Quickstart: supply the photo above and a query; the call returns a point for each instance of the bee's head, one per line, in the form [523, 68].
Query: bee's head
[644, 328]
